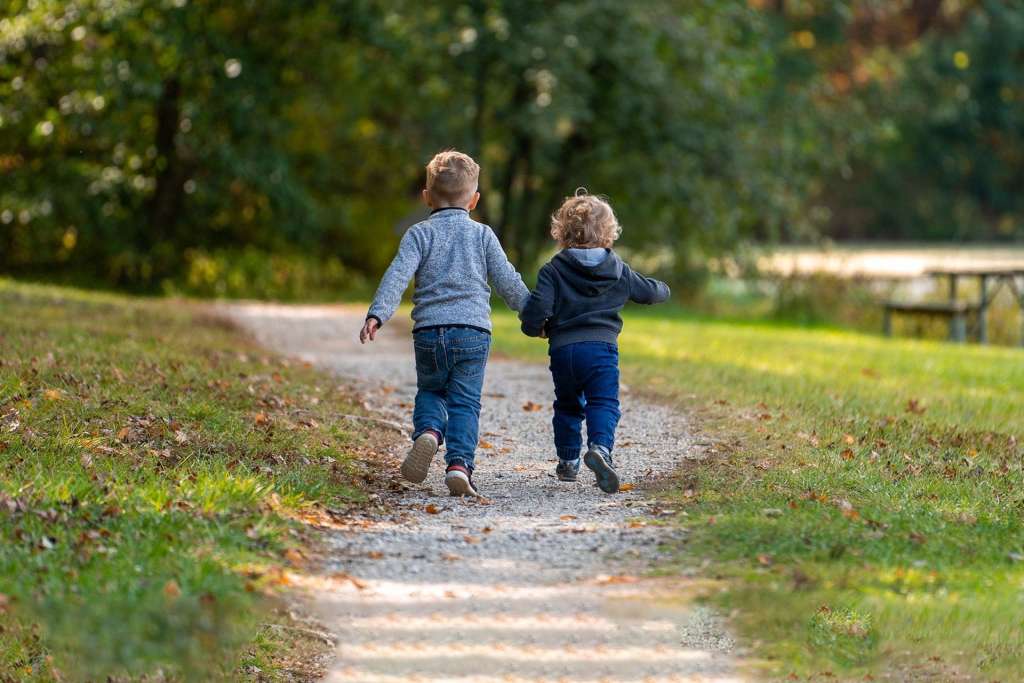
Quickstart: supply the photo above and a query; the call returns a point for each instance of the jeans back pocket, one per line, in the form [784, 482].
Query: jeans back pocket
[426, 359]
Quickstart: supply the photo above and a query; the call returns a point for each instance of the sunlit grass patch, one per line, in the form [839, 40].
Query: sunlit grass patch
[860, 496]
[152, 461]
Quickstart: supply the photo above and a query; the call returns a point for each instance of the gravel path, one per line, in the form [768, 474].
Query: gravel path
[538, 582]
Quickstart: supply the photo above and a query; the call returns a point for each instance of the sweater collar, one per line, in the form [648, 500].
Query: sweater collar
[449, 208]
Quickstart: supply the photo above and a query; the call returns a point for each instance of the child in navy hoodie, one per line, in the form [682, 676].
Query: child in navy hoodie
[576, 306]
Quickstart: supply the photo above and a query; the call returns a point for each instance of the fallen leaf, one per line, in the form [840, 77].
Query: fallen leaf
[260, 419]
[914, 406]
[85, 459]
[375, 555]
[122, 434]
[849, 440]
[451, 557]
[486, 530]
[611, 580]
[171, 589]
[431, 509]
[294, 557]
[485, 444]
[53, 395]
[847, 454]
[532, 407]
[343, 576]
[764, 560]
[566, 518]
[625, 487]
[472, 540]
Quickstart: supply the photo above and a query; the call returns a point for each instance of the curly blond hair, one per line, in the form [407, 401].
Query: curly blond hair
[452, 178]
[585, 221]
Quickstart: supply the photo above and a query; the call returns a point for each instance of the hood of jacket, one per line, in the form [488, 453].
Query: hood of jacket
[590, 280]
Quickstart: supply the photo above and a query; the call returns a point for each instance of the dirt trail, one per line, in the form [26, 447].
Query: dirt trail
[538, 584]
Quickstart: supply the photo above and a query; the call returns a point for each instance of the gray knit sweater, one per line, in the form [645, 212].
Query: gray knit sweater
[453, 258]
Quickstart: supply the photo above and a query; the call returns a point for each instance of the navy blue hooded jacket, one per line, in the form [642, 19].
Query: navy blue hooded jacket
[575, 302]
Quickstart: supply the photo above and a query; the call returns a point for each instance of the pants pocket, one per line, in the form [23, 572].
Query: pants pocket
[471, 362]
[426, 360]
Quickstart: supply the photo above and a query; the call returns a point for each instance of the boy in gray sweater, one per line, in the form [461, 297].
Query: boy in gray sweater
[452, 258]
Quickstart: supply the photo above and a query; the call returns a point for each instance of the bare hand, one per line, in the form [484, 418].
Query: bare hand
[369, 330]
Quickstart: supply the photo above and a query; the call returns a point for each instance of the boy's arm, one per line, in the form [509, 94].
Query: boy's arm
[540, 306]
[503, 275]
[646, 290]
[395, 280]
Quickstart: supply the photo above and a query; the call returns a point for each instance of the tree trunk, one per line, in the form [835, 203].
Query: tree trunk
[165, 204]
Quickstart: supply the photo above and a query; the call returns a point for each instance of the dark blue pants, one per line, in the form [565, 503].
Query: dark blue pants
[450, 363]
[586, 376]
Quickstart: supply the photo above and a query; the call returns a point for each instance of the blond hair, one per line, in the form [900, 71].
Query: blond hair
[585, 221]
[452, 178]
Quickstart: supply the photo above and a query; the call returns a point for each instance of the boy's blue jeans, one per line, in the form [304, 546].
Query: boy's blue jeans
[450, 364]
[586, 376]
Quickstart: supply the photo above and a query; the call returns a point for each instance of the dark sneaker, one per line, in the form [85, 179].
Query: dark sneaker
[459, 481]
[599, 460]
[566, 470]
[417, 463]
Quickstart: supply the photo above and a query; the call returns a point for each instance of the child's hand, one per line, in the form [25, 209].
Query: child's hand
[369, 330]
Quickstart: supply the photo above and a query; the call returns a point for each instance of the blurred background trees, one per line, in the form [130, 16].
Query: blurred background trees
[275, 147]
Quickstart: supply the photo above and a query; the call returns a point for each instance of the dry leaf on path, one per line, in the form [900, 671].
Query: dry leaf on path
[625, 487]
[532, 407]
[343, 576]
[608, 580]
[431, 509]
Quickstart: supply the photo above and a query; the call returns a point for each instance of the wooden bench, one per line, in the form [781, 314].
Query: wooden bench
[955, 311]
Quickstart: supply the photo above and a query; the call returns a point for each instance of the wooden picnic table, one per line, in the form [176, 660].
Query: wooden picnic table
[1011, 276]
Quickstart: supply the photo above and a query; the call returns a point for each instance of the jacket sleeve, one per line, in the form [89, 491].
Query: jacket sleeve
[396, 279]
[540, 305]
[503, 275]
[646, 290]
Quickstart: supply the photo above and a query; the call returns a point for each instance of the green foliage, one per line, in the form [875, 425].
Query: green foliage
[138, 134]
[938, 149]
[151, 462]
[135, 129]
[249, 272]
[135, 134]
[878, 478]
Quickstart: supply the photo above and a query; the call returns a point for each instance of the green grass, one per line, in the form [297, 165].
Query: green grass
[861, 499]
[153, 464]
